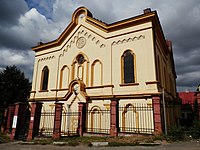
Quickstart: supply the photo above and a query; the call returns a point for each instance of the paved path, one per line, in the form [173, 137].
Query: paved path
[192, 145]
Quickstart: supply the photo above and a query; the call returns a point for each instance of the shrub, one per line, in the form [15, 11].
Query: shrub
[177, 134]
[195, 130]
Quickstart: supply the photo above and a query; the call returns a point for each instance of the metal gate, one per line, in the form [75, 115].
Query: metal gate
[136, 118]
[98, 121]
[46, 123]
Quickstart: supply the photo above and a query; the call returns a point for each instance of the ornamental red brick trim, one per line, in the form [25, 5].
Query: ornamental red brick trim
[81, 117]
[9, 113]
[18, 119]
[36, 108]
[57, 121]
[157, 115]
[114, 117]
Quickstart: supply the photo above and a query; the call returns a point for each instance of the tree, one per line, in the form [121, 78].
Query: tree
[14, 87]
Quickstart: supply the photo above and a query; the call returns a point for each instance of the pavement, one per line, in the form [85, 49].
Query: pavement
[190, 145]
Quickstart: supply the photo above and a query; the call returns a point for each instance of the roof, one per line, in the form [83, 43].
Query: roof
[187, 97]
[148, 16]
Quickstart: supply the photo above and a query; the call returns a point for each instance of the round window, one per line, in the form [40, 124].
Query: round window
[80, 59]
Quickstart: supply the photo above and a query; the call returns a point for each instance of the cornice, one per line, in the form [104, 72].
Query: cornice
[148, 17]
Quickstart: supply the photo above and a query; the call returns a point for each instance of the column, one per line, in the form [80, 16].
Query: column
[9, 118]
[18, 119]
[157, 115]
[81, 117]
[57, 121]
[114, 117]
[34, 124]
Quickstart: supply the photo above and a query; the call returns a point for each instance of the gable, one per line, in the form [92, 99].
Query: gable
[82, 17]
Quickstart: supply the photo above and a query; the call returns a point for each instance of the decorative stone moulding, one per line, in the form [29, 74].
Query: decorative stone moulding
[80, 43]
[47, 58]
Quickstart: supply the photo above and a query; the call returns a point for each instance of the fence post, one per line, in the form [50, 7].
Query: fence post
[4, 121]
[198, 102]
[18, 120]
[57, 121]
[114, 117]
[81, 117]
[9, 118]
[157, 115]
[34, 120]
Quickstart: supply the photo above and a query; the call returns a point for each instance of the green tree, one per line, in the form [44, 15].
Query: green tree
[14, 87]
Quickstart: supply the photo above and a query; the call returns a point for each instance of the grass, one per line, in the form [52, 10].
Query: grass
[175, 134]
[132, 140]
[4, 138]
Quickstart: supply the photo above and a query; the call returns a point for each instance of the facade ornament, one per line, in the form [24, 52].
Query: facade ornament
[80, 43]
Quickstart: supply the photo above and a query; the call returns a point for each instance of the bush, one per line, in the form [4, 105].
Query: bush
[183, 133]
[4, 138]
[195, 130]
[177, 134]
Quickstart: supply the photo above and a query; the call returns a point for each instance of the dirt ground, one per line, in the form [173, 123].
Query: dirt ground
[191, 145]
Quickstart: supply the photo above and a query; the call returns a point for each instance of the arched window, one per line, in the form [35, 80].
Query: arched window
[130, 119]
[45, 78]
[128, 67]
[80, 68]
[96, 73]
[64, 77]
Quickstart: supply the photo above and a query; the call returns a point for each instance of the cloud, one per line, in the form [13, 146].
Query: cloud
[25, 60]
[24, 23]
[10, 11]
[188, 81]
[45, 7]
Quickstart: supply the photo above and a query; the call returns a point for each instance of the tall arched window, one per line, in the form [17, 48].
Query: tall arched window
[64, 77]
[45, 78]
[96, 73]
[80, 68]
[128, 67]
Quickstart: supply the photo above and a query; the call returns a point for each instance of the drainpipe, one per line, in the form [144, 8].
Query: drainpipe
[164, 109]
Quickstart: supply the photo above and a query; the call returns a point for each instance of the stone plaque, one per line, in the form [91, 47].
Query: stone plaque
[14, 125]
[80, 43]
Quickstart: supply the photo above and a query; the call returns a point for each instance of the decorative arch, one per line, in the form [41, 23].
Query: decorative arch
[95, 114]
[94, 107]
[44, 78]
[85, 58]
[64, 77]
[80, 68]
[130, 118]
[128, 67]
[79, 12]
[96, 73]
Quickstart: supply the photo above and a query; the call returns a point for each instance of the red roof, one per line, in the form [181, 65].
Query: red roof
[187, 97]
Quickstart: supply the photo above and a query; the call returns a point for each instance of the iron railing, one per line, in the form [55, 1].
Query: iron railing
[69, 126]
[46, 123]
[98, 121]
[136, 118]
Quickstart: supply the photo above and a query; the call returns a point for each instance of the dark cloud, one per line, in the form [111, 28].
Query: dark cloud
[14, 39]
[189, 79]
[10, 11]
[181, 25]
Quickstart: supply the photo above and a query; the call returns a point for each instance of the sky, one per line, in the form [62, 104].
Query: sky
[23, 23]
